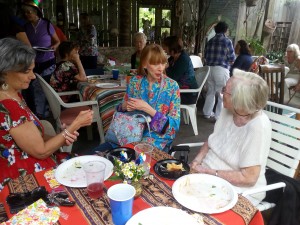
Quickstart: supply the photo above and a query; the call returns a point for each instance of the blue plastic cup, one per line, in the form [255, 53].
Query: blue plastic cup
[115, 73]
[121, 201]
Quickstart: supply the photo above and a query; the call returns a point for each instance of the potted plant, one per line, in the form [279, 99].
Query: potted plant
[256, 46]
[276, 56]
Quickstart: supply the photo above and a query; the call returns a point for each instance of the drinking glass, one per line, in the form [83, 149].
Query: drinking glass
[147, 150]
[94, 172]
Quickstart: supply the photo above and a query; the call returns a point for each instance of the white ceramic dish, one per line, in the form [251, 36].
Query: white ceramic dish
[43, 49]
[107, 85]
[204, 193]
[162, 216]
[71, 173]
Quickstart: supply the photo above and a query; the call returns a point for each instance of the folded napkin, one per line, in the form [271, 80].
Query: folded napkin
[37, 213]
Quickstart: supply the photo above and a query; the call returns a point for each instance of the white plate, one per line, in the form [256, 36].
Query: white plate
[71, 173]
[163, 216]
[107, 85]
[43, 49]
[204, 193]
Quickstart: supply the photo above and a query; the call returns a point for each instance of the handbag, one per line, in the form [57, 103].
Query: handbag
[127, 127]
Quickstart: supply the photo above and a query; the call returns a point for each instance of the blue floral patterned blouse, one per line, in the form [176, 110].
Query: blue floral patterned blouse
[166, 101]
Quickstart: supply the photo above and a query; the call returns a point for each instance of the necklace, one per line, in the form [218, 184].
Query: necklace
[21, 102]
[36, 26]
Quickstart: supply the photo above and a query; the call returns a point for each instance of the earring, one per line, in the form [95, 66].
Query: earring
[4, 87]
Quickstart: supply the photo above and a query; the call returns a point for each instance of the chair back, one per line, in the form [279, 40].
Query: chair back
[196, 61]
[257, 61]
[55, 102]
[201, 76]
[284, 153]
[274, 76]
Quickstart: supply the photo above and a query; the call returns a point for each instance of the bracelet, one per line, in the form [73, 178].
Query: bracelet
[63, 134]
[216, 174]
[67, 132]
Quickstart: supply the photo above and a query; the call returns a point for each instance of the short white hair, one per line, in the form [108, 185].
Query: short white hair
[294, 48]
[249, 91]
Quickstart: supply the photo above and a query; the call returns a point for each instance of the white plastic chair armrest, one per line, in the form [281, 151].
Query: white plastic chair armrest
[198, 144]
[70, 93]
[265, 188]
[78, 104]
[188, 90]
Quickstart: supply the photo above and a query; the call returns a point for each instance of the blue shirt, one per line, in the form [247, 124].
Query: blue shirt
[165, 123]
[242, 62]
[219, 51]
[182, 71]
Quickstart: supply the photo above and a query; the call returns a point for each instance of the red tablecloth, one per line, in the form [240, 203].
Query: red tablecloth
[156, 192]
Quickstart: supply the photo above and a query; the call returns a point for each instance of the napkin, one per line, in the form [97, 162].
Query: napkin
[37, 213]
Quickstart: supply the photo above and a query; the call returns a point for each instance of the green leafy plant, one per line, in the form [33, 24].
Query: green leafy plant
[276, 56]
[256, 46]
[127, 171]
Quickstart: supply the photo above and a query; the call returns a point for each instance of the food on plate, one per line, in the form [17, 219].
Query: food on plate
[174, 167]
[205, 194]
[92, 80]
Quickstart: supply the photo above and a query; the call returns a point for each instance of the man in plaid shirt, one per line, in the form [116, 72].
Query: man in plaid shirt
[219, 55]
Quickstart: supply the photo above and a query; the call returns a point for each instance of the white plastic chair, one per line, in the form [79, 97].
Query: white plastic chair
[284, 152]
[71, 110]
[196, 60]
[201, 76]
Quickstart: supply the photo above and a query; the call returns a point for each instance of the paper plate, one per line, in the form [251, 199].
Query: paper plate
[71, 174]
[204, 193]
[163, 216]
[107, 85]
[43, 49]
[160, 168]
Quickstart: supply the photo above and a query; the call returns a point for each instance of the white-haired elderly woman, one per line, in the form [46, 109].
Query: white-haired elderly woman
[24, 146]
[140, 40]
[238, 148]
[292, 60]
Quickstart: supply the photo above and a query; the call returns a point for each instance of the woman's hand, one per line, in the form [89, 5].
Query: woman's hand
[71, 138]
[84, 118]
[139, 104]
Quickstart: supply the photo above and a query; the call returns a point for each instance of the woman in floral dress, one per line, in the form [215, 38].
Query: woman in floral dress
[155, 94]
[69, 70]
[24, 147]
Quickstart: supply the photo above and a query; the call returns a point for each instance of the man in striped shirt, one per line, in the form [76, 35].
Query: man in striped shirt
[219, 55]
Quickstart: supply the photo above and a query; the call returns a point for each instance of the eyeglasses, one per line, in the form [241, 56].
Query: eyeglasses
[243, 115]
[223, 91]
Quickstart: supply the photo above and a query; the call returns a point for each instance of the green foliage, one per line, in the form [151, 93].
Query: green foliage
[256, 46]
[148, 14]
[276, 56]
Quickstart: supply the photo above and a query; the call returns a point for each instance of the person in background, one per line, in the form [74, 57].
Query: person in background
[219, 55]
[140, 40]
[292, 60]
[9, 28]
[238, 148]
[87, 40]
[69, 70]
[60, 34]
[155, 94]
[180, 68]
[244, 57]
[40, 33]
[24, 147]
